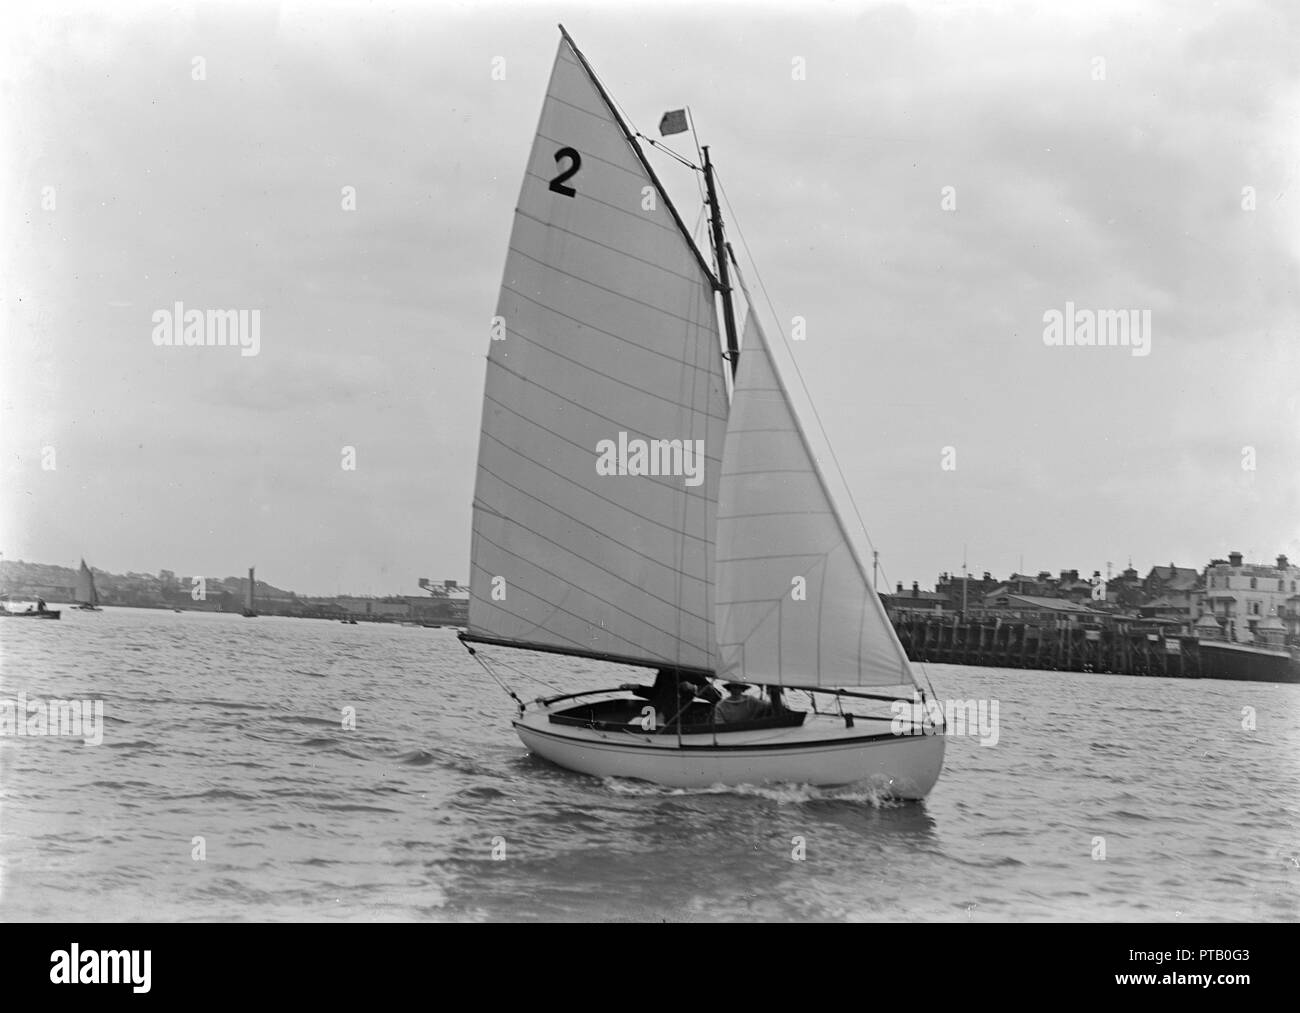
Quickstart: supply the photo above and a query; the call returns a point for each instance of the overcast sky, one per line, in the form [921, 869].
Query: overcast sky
[1113, 185]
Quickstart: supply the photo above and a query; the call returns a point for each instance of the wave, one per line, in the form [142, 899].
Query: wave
[416, 758]
[311, 719]
[218, 794]
[483, 792]
[447, 759]
[231, 705]
[788, 793]
[352, 807]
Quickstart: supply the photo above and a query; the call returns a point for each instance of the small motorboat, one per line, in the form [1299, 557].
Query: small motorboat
[33, 610]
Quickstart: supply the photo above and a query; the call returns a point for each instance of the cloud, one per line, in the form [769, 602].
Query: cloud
[924, 325]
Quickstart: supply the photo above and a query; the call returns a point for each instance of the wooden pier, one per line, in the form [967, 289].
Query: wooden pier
[1064, 648]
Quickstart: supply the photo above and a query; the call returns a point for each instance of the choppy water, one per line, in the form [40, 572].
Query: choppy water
[231, 730]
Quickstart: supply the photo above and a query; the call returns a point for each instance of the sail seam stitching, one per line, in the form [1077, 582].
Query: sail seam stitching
[605, 499]
[638, 172]
[694, 282]
[613, 379]
[636, 216]
[583, 448]
[611, 334]
[604, 288]
[593, 563]
[560, 608]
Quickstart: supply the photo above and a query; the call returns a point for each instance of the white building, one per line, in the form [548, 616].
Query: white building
[1242, 595]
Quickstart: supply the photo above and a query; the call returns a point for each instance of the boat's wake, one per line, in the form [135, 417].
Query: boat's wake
[792, 794]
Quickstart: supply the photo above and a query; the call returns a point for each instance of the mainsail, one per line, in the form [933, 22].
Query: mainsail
[794, 606]
[85, 591]
[605, 331]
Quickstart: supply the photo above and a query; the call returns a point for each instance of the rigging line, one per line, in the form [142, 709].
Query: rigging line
[626, 128]
[488, 667]
[491, 674]
[702, 231]
[636, 132]
[667, 150]
[690, 118]
[698, 228]
[926, 672]
[525, 675]
[798, 372]
[699, 176]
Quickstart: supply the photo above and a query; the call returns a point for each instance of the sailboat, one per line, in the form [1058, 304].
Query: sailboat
[626, 509]
[86, 597]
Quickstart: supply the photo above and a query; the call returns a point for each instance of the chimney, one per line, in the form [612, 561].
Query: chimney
[1281, 562]
[916, 589]
[988, 577]
[900, 587]
[1234, 558]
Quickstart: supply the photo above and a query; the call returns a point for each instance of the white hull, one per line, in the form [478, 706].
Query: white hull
[822, 752]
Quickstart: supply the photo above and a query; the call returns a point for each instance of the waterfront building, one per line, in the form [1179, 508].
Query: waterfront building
[1241, 596]
[374, 608]
[1179, 590]
[932, 603]
[1126, 590]
[1207, 627]
[1071, 587]
[954, 586]
[1002, 604]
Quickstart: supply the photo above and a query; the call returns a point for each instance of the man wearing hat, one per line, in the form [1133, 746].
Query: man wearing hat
[672, 693]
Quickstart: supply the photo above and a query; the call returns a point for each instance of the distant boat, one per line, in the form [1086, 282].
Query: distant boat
[28, 610]
[684, 565]
[250, 604]
[86, 597]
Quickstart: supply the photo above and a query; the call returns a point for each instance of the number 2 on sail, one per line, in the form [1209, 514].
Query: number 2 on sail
[575, 163]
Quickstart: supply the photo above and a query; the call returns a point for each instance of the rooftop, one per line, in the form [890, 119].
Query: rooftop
[1033, 601]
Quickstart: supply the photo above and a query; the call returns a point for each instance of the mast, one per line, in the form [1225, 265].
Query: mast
[724, 279]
